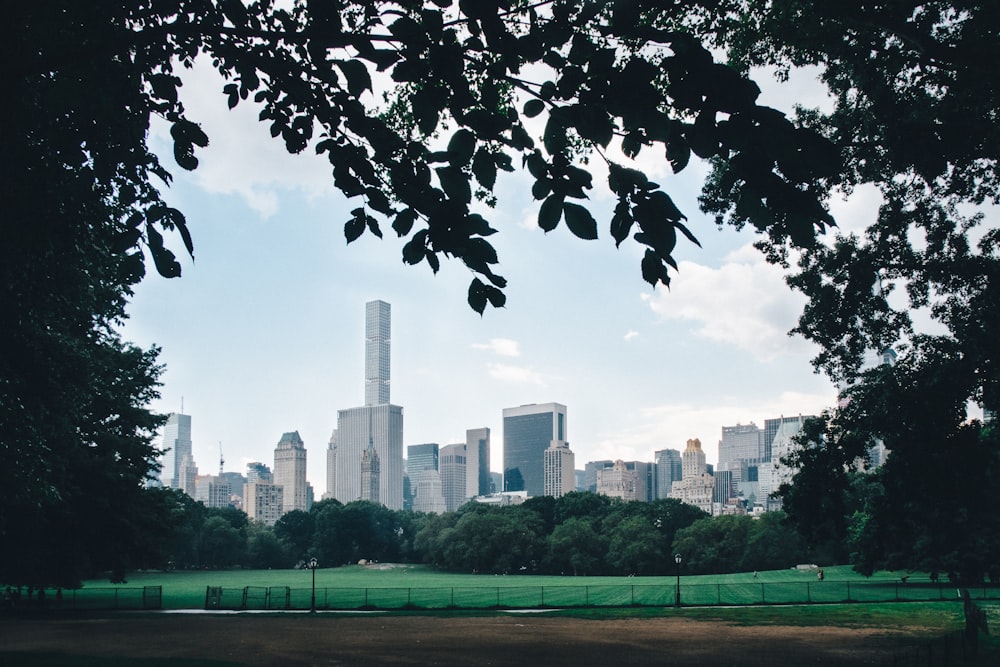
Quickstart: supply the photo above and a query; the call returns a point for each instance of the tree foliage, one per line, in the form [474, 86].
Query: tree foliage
[567, 92]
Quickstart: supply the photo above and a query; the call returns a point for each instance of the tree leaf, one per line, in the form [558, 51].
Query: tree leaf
[404, 222]
[354, 228]
[455, 184]
[416, 248]
[356, 73]
[549, 212]
[477, 295]
[580, 221]
[533, 107]
[484, 168]
[461, 147]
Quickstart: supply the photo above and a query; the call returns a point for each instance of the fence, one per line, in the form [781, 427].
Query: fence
[509, 597]
[144, 597]
[501, 597]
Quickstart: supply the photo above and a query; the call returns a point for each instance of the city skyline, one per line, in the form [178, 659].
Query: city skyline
[262, 335]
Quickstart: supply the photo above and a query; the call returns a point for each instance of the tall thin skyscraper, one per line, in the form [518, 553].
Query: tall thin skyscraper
[477, 462]
[377, 341]
[176, 446]
[377, 424]
[331, 467]
[290, 471]
[528, 431]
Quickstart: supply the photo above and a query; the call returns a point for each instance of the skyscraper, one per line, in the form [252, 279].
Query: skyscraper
[743, 442]
[452, 468]
[477, 462]
[421, 457]
[176, 445]
[559, 473]
[668, 470]
[331, 467]
[377, 340]
[290, 471]
[528, 431]
[693, 459]
[377, 424]
[258, 472]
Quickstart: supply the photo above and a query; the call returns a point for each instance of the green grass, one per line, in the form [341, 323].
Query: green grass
[415, 586]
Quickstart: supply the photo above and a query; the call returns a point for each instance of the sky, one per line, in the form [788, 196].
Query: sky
[264, 332]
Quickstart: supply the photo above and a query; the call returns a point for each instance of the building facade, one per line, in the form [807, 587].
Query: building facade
[617, 482]
[382, 426]
[264, 502]
[477, 462]
[421, 457]
[452, 469]
[176, 445]
[213, 491]
[290, 470]
[378, 424]
[331, 467]
[667, 470]
[378, 327]
[560, 474]
[258, 472]
[528, 431]
[427, 495]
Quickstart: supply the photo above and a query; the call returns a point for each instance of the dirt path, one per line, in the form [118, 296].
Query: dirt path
[501, 640]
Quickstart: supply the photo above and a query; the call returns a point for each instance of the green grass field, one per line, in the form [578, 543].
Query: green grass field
[418, 587]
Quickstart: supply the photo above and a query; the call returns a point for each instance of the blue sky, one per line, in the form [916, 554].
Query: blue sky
[264, 333]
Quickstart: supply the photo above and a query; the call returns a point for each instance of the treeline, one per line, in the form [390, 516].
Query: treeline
[580, 533]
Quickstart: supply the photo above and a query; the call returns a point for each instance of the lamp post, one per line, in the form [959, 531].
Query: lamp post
[677, 597]
[313, 564]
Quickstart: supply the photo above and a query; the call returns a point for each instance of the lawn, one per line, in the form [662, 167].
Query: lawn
[416, 586]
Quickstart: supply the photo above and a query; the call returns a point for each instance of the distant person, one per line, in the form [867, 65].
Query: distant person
[755, 574]
[819, 575]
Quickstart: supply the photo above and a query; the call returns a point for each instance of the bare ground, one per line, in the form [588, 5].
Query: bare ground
[501, 640]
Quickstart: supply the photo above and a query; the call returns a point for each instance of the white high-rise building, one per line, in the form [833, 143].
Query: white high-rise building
[477, 462]
[176, 445]
[187, 473]
[290, 471]
[377, 342]
[560, 475]
[377, 424]
[264, 502]
[693, 460]
[331, 467]
[452, 469]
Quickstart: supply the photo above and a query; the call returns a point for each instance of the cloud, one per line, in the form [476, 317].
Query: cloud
[241, 158]
[630, 335]
[516, 374]
[503, 347]
[745, 303]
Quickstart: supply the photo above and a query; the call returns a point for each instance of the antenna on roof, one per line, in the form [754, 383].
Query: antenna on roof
[222, 461]
[182, 405]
